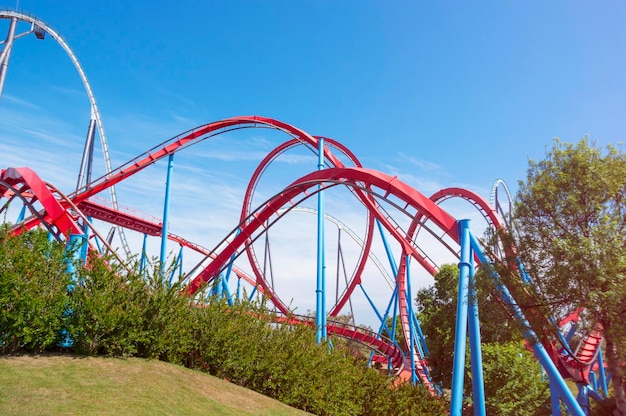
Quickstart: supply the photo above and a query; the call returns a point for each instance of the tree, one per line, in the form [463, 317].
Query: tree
[570, 214]
[436, 306]
[513, 383]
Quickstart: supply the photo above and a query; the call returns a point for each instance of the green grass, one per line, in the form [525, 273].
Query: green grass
[70, 385]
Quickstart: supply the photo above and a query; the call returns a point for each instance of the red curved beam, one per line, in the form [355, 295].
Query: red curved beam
[247, 204]
[351, 177]
[369, 338]
[185, 140]
[576, 367]
[55, 214]
[489, 212]
[420, 362]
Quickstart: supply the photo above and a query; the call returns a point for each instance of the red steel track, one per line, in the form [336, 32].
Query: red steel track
[369, 187]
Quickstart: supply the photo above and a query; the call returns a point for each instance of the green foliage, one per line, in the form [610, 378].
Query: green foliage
[240, 343]
[570, 213]
[571, 217]
[121, 313]
[513, 382]
[33, 291]
[402, 400]
[168, 321]
[107, 309]
[111, 311]
[436, 308]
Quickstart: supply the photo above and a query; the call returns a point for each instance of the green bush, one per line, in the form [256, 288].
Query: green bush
[33, 291]
[109, 310]
[513, 381]
[238, 342]
[168, 321]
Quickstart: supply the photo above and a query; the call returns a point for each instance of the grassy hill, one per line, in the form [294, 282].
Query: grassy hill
[70, 385]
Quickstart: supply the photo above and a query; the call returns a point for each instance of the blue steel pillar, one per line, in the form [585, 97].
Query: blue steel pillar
[603, 381]
[20, 218]
[555, 399]
[558, 386]
[320, 303]
[166, 213]
[80, 245]
[476, 356]
[583, 397]
[409, 312]
[460, 334]
[144, 256]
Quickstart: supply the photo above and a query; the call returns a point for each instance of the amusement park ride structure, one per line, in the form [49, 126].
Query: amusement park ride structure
[397, 217]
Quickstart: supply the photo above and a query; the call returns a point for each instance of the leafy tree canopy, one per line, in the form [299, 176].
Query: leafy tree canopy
[570, 214]
[436, 307]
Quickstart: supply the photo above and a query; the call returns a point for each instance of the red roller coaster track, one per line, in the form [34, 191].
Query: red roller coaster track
[61, 215]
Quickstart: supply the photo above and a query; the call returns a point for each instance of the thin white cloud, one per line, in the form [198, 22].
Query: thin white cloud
[422, 165]
[19, 101]
[208, 186]
[68, 91]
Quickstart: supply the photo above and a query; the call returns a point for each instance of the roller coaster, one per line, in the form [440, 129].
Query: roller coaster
[414, 231]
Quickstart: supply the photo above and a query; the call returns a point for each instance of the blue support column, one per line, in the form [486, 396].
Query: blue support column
[226, 278]
[383, 323]
[557, 383]
[394, 319]
[476, 356]
[583, 397]
[226, 292]
[392, 261]
[460, 335]
[178, 264]
[380, 317]
[78, 243]
[320, 304]
[420, 335]
[603, 379]
[555, 399]
[231, 263]
[394, 270]
[166, 213]
[393, 302]
[97, 242]
[593, 380]
[144, 254]
[252, 294]
[20, 217]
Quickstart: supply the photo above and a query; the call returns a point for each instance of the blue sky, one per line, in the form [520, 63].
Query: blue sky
[466, 90]
[439, 93]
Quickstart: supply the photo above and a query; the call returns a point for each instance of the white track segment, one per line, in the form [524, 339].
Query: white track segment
[95, 113]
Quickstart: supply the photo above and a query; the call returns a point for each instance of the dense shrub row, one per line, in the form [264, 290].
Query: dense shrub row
[33, 292]
[110, 311]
